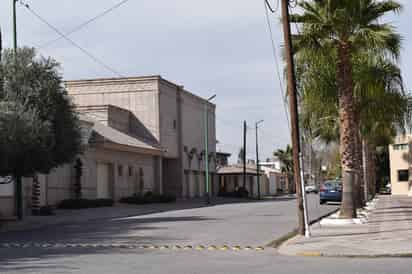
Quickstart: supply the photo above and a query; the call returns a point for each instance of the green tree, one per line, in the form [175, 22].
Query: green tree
[342, 29]
[38, 124]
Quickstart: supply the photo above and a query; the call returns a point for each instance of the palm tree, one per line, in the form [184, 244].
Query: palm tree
[380, 102]
[343, 29]
[286, 159]
[240, 156]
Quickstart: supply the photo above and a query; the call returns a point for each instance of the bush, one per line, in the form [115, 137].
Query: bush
[240, 193]
[148, 198]
[85, 203]
[44, 211]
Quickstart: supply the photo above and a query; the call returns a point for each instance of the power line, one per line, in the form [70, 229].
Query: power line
[272, 10]
[84, 24]
[277, 67]
[90, 55]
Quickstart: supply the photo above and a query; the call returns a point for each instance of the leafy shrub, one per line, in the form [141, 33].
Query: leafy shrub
[148, 198]
[44, 211]
[85, 203]
[240, 193]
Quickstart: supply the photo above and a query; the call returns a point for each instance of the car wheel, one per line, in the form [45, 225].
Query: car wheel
[322, 202]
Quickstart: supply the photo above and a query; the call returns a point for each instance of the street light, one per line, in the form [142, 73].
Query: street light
[206, 132]
[257, 157]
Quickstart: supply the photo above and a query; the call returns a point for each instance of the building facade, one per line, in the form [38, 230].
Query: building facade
[400, 165]
[140, 134]
[164, 114]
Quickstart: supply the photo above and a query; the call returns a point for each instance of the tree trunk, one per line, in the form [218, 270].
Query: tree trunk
[348, 130]
[358, 197]
[18, 192]
[366, 169]
[372, 168]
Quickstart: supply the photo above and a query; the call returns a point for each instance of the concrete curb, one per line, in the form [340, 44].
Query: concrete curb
[285, 238]
[357, 256]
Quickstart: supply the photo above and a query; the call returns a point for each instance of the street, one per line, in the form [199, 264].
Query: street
[244, 224]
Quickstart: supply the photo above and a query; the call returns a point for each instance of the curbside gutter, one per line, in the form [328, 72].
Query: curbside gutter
[285, 238]
[354, 256]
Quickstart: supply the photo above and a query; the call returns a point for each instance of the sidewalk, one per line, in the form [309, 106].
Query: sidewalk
[63, 217]
[387, 233]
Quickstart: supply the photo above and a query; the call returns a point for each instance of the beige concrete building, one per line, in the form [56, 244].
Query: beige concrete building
[231, 178]
[164, 114]
[140, 134]
[400, 165]
[114, 165]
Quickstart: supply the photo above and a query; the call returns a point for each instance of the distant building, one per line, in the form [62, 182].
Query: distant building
[231, 179]
[273, 163]
[222, 159]
[272, 181]
[400, 158]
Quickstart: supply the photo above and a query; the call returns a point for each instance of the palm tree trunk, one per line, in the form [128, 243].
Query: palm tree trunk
[348, 130]
[366, 169]
[372, 169]
[358, 162]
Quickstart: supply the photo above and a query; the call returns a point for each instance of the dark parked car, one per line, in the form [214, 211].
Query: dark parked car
[330, 191]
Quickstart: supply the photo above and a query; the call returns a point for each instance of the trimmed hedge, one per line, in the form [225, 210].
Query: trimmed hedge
[148, 198]
[85, 203]
[240, 193]
[43, 211]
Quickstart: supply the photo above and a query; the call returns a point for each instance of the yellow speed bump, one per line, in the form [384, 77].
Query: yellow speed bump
[200, 247]
[310, 254]
[188, 247]
[212, 247]
[177, 247]
[236, 248]
[225, 247]
[164, 247]
[259, 248]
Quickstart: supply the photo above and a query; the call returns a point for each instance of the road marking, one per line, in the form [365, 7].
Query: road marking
[47, 245]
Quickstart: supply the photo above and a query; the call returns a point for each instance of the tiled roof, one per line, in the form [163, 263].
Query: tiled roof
[237, 169]
[117, 137]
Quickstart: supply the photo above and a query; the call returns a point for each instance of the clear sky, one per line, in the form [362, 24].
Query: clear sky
[210, 47]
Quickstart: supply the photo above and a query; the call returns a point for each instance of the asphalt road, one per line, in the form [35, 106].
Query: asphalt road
[233, 224]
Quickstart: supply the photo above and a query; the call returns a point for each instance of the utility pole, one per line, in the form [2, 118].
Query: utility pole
[257, 157]
[206, 131]
[244, 153]
[17, 182]
[293, 109]
[14, 28]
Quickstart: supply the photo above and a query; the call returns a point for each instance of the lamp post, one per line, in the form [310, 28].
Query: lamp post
[257, 157]
[206, 132]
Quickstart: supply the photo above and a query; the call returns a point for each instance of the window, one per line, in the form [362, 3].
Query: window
[403, 175]
[130, 171]
[400, 146]
[120, 170]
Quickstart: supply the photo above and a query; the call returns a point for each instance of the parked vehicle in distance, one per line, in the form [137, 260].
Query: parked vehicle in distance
[330, 191]
[311, 189]
[387, 190]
